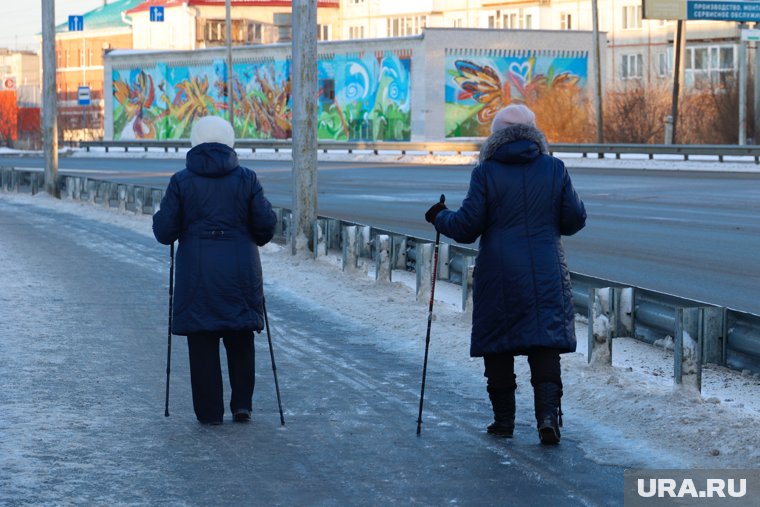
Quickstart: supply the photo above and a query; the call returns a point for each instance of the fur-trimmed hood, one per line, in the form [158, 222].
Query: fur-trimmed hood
[514, 134]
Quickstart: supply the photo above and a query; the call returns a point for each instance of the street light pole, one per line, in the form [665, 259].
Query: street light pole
[49, 98]
[597, 74]
[230, 94]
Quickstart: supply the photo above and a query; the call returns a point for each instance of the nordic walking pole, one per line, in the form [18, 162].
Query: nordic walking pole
[169, 347]
[274, 366]
[429, 322]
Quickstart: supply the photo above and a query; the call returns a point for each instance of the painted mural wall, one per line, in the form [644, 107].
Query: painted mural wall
[552, 83]
[361, 97]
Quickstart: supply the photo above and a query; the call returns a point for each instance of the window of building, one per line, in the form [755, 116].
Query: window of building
[68, 59]
[663, 64]
[632, 17]
[707, 66]
[406, 25]
[324, 32]
[565, 21]
[516, 19]
[254, 33]
[89, 58]
[456, 22]
[356, 32]
[632, 66]
[494, 20]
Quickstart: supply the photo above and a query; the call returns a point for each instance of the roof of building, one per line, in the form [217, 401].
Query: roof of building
[105, 16]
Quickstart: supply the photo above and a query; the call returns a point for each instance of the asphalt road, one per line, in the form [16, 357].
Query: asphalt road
[692, 234]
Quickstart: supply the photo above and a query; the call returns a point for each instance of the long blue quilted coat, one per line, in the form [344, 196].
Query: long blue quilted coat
[218, 211]
[519, 203]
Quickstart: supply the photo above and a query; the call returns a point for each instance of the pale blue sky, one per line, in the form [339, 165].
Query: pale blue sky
[20, 20]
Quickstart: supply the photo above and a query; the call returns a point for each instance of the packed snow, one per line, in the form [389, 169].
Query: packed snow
[630, 414]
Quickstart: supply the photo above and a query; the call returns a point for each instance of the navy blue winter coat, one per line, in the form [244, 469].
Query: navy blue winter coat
[519, 203]
[218, 211]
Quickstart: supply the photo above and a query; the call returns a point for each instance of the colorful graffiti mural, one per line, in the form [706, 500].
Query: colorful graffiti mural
[477, 87]
[360, 98]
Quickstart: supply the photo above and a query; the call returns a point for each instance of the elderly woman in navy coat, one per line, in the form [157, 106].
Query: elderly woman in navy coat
[520, 202]
[218, 212]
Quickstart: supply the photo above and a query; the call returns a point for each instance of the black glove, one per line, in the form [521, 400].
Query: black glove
[433, 212]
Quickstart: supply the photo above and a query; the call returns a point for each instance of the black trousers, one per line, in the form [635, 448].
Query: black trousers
[544, 367]
[206, 373]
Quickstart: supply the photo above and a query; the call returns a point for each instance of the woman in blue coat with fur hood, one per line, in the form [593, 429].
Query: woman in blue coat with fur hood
[218, 212]
[519, 203]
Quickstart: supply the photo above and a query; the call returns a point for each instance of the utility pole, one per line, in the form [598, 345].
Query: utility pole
[230, 94]
[756, 90]
[742, 87]
[680, 50]
[49, 98]
[304, 97]
[598, 74]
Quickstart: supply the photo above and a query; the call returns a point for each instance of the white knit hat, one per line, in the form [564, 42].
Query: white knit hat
[212, 129]
[513, 114]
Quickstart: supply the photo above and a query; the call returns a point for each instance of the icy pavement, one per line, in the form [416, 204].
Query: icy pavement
[83, 338]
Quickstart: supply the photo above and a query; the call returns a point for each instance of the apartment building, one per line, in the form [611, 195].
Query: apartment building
[639, 51]
[196, 24]
[79, 63]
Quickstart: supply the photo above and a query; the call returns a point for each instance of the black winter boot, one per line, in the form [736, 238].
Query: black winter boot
[503, 403]
[547, 397]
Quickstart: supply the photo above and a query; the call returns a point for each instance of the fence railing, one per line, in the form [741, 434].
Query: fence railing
[717, 151]
[700, 333]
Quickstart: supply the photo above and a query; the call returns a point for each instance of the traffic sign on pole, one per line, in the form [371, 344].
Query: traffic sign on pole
[76, 23]
[157, 13]
[83, 95]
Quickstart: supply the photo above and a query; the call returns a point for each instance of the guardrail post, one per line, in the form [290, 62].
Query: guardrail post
[687, 368]
[599, 332]
[349, 258]
[610, 315]
[333, 234]
[138, 194]
[121, 192]
[318, 237]
[424, 270]
[287, 223]
[278, 224]
[77, 188]
[398, 253]
[363, 239]
[698, 340]
[382, 258]
[443, 261]
[89, 186]
[712, 323]
[468, 271]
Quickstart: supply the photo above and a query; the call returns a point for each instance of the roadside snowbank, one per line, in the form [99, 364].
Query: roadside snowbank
[629, 414]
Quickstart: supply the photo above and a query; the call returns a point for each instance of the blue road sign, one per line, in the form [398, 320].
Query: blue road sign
[76, 23]
[721, 10]
[83, 95]
[157, 13]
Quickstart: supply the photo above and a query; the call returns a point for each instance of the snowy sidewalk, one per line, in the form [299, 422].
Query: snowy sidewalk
[84, 346]
[83, 316]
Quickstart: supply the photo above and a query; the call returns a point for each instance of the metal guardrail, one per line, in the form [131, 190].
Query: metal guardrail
[723, 336]
[718, 151]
